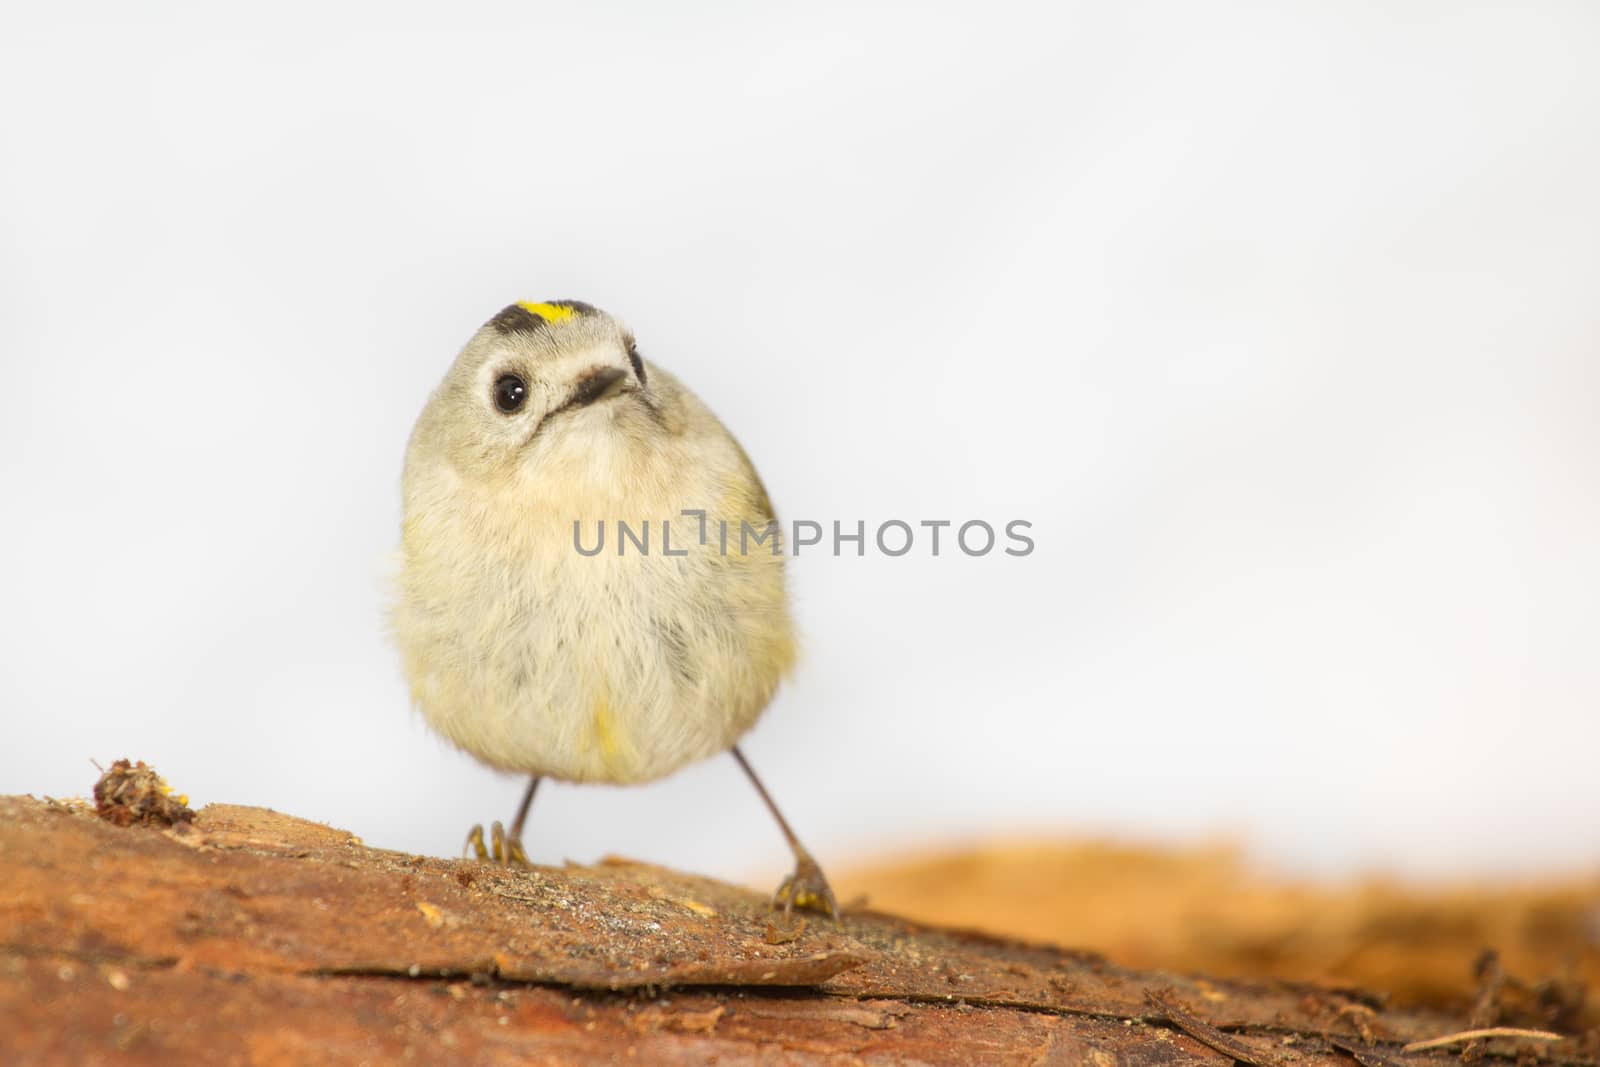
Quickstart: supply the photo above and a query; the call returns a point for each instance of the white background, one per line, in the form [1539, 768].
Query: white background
[1279, 322]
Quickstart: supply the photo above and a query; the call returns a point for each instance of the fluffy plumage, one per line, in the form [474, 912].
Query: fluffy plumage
[534, 657]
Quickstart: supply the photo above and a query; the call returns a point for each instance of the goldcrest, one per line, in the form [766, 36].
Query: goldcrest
[617, 666]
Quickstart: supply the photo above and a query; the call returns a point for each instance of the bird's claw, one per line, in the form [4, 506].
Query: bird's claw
[506, 851]
[807, 889]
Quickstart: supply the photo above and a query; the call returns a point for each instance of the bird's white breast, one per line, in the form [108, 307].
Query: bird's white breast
[618, 668]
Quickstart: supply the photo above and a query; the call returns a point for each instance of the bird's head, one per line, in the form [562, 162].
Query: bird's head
[534, 380]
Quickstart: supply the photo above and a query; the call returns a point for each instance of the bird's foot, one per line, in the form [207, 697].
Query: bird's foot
[806, 889]
[501, 849]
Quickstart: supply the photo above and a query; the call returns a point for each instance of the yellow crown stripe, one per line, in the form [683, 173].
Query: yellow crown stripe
[547, 312]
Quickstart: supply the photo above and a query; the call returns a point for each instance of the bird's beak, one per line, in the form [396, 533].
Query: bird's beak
[595, 384]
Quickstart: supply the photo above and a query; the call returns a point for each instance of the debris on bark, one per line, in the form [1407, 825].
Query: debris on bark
[133, 792]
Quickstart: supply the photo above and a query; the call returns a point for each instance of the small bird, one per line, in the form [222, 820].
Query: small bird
[620, 665]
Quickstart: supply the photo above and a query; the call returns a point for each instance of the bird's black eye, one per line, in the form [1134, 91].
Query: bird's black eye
[510, 393]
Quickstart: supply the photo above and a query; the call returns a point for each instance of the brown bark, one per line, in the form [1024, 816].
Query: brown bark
[1209, 908]
[250, 937]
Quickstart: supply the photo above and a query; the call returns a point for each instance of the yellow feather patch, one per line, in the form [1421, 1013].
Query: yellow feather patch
[605, 731]
[608, 736]
[548, 312]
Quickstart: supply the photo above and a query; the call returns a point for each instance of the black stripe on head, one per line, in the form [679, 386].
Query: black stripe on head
[517, 319]
[633, 357]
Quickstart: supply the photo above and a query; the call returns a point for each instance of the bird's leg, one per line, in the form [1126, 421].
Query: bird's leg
[806, 887]
[504, 848]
